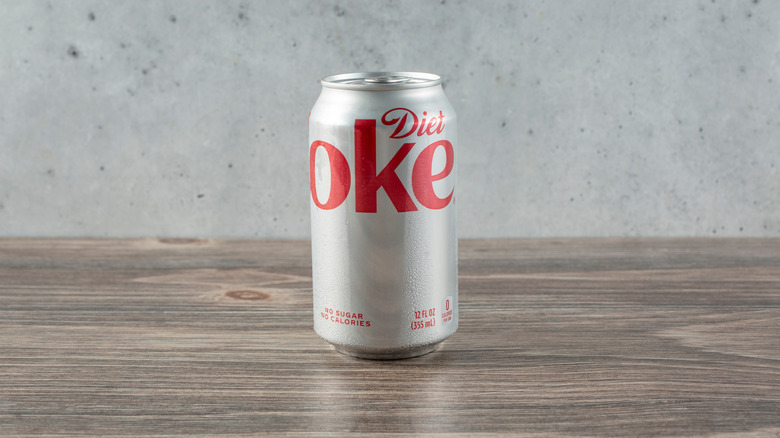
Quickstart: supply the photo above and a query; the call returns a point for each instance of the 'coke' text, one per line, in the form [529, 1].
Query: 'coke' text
[368, 180]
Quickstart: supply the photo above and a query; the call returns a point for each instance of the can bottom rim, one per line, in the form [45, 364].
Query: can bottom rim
[386, 354]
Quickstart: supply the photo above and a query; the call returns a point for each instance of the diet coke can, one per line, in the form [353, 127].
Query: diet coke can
[382, 166]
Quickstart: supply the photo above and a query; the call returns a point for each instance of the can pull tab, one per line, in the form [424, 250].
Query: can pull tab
[387, 79]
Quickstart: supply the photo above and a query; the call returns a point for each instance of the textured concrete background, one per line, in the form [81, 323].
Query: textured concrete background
[576, 118]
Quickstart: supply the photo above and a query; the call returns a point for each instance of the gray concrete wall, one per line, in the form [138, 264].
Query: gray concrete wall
[595, 118]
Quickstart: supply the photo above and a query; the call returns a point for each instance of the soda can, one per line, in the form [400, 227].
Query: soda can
[383, 172]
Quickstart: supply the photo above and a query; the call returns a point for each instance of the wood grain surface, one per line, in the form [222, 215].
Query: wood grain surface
[580, 337]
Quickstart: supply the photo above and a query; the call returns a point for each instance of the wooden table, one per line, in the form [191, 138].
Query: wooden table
[604, 337]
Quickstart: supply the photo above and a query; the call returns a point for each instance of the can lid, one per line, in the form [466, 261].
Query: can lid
[382, 80]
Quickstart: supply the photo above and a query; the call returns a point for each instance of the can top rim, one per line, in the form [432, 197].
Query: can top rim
[381, 80]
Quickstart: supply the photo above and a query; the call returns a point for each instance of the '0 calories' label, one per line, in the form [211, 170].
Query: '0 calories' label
[447, 306]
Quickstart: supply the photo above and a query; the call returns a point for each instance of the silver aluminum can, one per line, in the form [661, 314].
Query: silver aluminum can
[383, 172]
